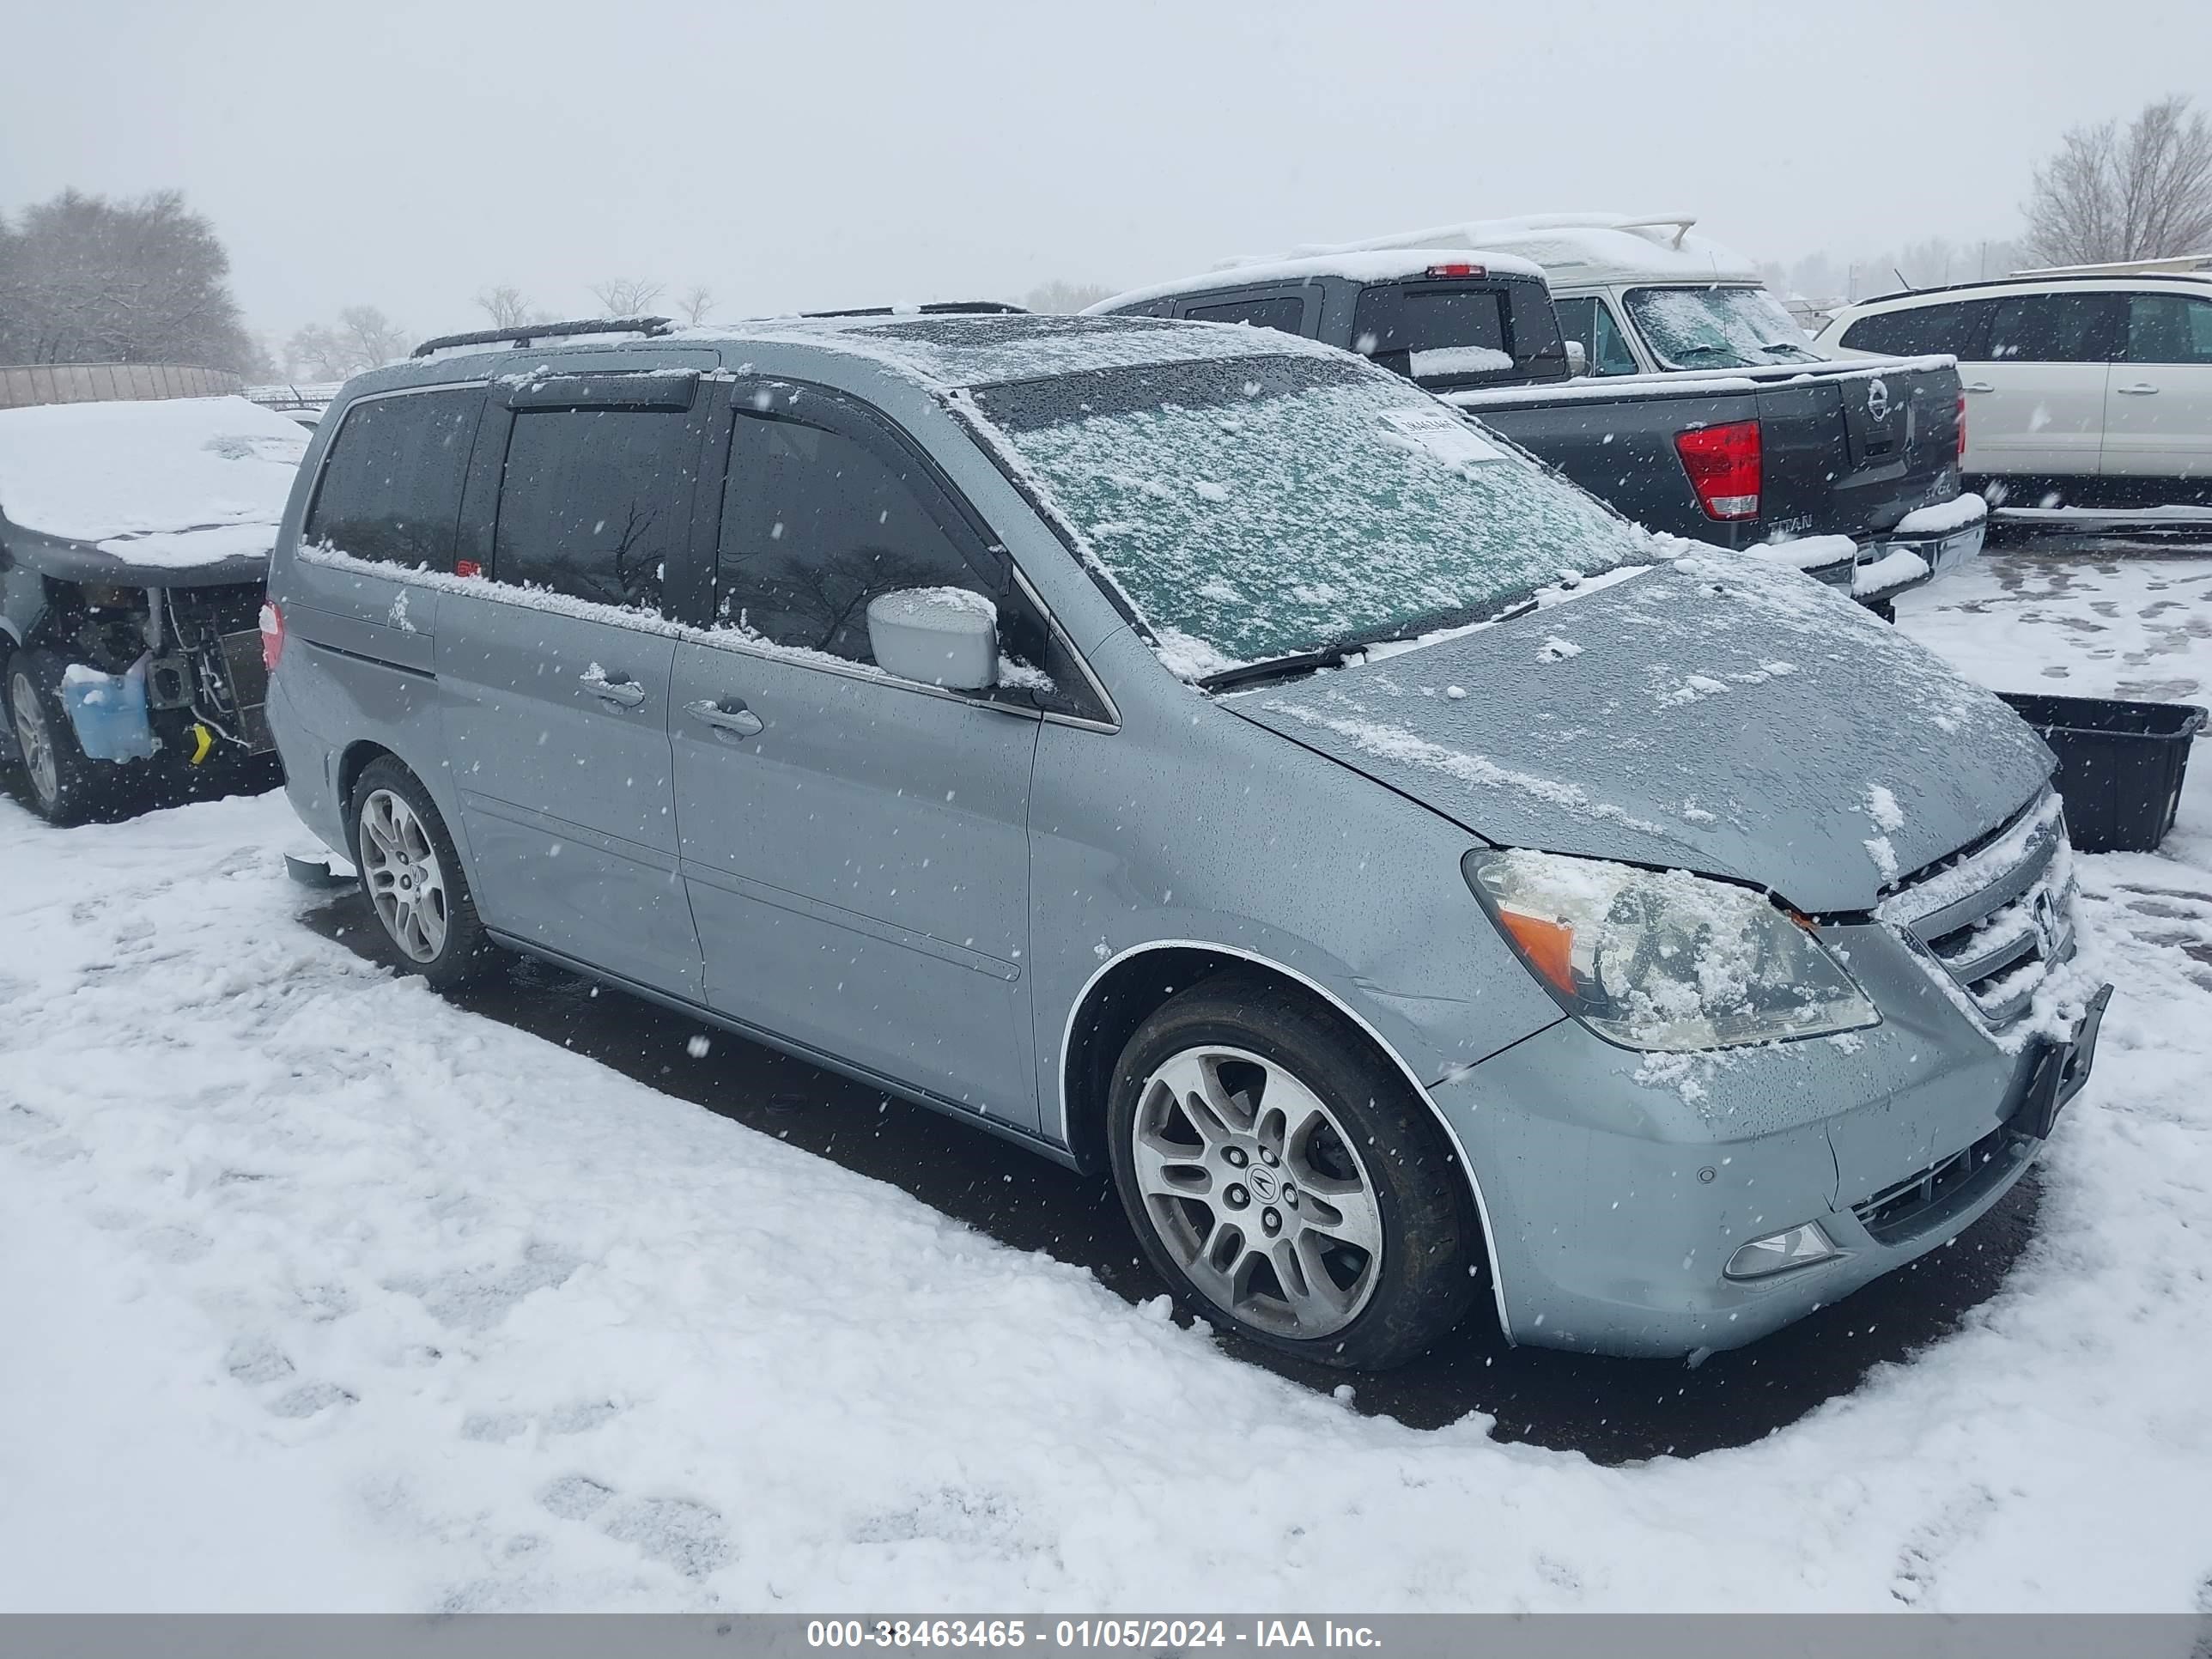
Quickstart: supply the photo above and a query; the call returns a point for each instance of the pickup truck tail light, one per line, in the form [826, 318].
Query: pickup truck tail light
[272, 634]
[1456, 267]
[1962, 429]
[1724, 465]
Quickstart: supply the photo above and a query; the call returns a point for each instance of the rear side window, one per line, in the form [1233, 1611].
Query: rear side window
[818, 521]
[2056, 328]
[391, 488]
[2169, 328]
[596, 503]
[1286, 312]
[1960, 328]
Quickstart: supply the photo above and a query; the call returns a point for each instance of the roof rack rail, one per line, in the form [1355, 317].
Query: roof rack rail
[528, 333]
[934, 308]
[2019, 278]
[2178, 264]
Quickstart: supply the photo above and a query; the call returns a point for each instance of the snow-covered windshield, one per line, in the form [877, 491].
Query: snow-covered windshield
[1717, 327]
[1257, 507]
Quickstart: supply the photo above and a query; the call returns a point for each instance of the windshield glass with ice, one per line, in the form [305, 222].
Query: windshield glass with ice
[1257, 507]
[1717, 327]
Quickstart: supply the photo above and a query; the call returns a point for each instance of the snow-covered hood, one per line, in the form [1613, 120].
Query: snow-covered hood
[1716, 714]
[174, 484]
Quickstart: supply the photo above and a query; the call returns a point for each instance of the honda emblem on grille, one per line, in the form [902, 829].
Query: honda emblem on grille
[1878, 399]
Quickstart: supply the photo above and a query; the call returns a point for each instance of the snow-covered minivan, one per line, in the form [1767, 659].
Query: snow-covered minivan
[1200, 756]
[134, 539]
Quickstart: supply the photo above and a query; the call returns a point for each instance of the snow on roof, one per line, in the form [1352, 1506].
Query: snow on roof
[1584, 247]
[177, 482]
[1383, 265]
[953, 351]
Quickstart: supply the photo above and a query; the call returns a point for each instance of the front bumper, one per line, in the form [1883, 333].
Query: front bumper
[1616, 1186]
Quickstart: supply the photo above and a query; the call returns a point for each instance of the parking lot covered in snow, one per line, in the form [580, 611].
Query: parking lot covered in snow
[326, 1292]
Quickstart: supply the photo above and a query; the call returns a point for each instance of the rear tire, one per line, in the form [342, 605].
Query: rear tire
[65, 785]
[412, 876]
[1281, 1177]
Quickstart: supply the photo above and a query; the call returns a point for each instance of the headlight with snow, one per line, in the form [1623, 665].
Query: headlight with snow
[1664, 959]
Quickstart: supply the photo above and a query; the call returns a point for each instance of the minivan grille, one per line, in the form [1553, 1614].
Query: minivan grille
[1999, 919]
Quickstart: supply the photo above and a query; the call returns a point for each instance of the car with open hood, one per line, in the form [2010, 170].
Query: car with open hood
[134, 541]
[1203, 758]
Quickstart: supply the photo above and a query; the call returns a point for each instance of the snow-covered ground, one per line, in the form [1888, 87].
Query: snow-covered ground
[319, 1292]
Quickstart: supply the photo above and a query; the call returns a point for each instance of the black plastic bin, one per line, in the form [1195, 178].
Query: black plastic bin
[2120, 765]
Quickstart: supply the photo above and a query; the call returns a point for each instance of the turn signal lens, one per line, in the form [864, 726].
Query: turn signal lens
[1549, 947]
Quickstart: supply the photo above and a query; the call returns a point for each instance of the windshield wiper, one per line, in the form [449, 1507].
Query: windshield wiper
[1340, 651]
[1276, 668]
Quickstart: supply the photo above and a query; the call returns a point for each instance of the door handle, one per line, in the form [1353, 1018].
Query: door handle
[737, 718]
[626, 693]
[1978, 385]
[2139, 389]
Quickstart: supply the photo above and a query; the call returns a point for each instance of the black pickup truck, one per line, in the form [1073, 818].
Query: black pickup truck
[1848, 469]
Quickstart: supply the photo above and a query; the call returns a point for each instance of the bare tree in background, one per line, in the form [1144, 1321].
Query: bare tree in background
[695, 303]
[624, 296]
[506, 307]
[364, 338]
[1061, 296]
[2141, 193]
[83, 280]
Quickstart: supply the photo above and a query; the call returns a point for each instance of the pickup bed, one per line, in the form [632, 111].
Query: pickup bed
[1857, 461]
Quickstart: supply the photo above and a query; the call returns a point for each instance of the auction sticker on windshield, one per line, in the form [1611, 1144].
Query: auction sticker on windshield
[1442, 434]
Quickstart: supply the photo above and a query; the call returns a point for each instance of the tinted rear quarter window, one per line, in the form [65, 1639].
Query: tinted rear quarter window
[391, 488]
[1959, 327]
[596, 503]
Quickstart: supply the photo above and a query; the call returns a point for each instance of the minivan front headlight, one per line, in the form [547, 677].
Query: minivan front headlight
[1664, 959]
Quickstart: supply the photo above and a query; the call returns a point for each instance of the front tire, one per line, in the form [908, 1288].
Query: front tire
[67, 786]
[412, 876]
[1281, 1177]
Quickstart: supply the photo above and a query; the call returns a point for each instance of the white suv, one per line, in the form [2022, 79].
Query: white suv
[2088, 386]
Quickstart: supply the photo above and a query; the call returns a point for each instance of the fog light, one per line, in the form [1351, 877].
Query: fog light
[1777, 1252]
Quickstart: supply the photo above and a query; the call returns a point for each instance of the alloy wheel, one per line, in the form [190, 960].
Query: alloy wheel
[1251, 1182]
[34, 742]
[406, 883]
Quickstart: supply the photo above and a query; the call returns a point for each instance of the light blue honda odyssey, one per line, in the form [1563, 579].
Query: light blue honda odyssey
[1201, 756]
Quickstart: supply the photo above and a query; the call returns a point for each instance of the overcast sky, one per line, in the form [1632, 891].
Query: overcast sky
[409, 154]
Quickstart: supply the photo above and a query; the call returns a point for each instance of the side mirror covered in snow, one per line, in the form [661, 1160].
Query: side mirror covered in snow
[945, 636]
[1577, 360]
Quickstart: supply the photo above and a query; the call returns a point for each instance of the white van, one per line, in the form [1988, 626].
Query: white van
[2084, 386]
